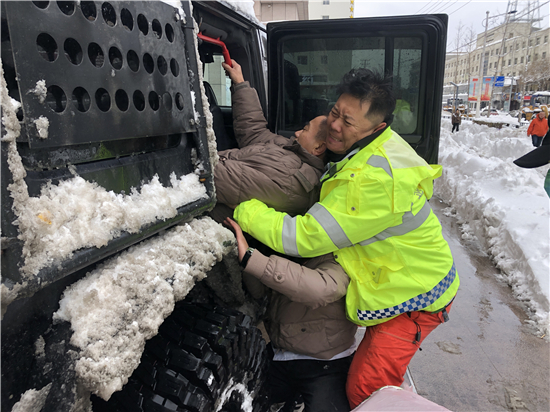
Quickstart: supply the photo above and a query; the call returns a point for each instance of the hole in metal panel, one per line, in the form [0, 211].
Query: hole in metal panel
[133, 60]
[167, 101]
[143, 24]
[89, 10]
[115, 57]
[148, 63]
[174, 67]
[66, 7]
[168, 29]
[41, 4]
[56, 99]
[139, 100]
[47, 47]
[73, 51]
[81, 99]
[121, 100]
[127, 19]
[102, 99]
[109, 14]
[162, 65]
[157, 28]
[179, 101]
[154, 101]
[95, 53]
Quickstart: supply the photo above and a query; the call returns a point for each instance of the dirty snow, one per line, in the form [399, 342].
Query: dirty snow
[40, 90]
[246, 405]
[122, 303]
[502, 206]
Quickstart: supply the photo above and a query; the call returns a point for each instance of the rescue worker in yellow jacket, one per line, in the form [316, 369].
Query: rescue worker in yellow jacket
[374, 215]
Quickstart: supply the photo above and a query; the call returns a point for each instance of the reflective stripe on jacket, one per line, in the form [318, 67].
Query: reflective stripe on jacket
[373, 214]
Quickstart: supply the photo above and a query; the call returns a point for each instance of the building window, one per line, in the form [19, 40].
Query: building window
[530, 42]
[528, 58]
[514, 73]
[538, 40]
[536, 56]
[521, 60]
[546, 39]
[544, 55]
[511, 35]
[302, 59]
[325, 17]
[509, 62]
[516, 60]
[326, 2]
[505, 50]
[324, 59]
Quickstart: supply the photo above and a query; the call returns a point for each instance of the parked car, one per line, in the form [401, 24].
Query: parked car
[494, 112]
[112, 92]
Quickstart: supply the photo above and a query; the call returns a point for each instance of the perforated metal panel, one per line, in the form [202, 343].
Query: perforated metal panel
[113, 70]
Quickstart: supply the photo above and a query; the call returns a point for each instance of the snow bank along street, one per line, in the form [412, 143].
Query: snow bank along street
[501, 206]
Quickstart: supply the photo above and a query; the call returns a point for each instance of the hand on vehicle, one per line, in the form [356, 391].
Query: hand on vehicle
[242, 244]
[235, 73]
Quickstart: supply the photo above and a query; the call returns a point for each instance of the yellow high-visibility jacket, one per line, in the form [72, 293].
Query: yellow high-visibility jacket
[373, 214]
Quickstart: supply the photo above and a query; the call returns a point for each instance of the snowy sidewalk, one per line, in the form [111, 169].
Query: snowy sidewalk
[501, 205]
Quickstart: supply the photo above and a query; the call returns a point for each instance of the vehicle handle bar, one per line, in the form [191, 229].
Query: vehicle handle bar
[220, 43]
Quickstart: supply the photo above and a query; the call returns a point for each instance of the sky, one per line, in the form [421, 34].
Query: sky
[467, 12]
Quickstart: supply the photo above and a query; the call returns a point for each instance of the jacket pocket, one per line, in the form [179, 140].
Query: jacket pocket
[308, 338]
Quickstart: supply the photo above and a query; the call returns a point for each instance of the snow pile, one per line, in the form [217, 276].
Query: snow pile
[77, 214]
[122, 303]
[246, 405]
[502, 205]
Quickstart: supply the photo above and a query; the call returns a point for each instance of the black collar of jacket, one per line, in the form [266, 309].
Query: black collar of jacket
[362, 143]
[303, 154]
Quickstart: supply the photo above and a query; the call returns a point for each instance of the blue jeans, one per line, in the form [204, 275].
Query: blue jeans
[537, 140]
[322, 384]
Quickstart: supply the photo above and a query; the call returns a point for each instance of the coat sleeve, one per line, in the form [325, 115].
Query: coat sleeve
[530, 128]
[318, 283]
[248, 118]
[306, 236]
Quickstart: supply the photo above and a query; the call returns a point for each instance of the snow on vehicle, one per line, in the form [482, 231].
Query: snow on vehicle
[117, 292]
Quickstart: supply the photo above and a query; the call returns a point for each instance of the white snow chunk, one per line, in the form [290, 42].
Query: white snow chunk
[40, 90]
[32, 400]
[42, 124]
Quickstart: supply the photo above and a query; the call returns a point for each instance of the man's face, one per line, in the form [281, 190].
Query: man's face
[541, 115]
[347, 124]
[307, 137]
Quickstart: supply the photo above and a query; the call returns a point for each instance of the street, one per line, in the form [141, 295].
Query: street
[485, 358]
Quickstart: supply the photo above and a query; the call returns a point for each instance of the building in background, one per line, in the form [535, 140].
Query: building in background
[519, 51]
[277, 10]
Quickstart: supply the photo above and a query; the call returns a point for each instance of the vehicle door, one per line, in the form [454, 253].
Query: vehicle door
[307, 60]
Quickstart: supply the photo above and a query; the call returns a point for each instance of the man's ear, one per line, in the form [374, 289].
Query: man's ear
[380, 127]
[320, 148]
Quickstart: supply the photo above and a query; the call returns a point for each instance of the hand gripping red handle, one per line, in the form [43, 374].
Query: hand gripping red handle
[220, 43]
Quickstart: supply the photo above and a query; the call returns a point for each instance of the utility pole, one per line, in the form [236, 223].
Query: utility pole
[480, 77]
[509, 11]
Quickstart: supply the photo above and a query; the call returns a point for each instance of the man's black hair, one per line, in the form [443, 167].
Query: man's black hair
[373, 87]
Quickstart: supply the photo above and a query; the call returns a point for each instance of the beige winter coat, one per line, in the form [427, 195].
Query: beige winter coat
[306, 312]
[268, 167]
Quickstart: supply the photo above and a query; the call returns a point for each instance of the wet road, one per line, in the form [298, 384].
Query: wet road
[485, 358]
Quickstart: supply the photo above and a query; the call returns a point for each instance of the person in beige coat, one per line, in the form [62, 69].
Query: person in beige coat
[311, 339]
[282, 172]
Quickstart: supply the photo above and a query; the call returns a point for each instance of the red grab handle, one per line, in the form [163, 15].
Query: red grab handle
[220, 43]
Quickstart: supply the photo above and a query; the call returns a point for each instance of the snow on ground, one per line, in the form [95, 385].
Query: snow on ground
[501, 205]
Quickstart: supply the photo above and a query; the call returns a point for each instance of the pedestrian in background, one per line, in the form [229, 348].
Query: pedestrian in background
[538, 127]
[456, 120]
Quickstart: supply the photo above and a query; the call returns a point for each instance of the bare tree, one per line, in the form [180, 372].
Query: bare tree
[458, 44]
[469, 45]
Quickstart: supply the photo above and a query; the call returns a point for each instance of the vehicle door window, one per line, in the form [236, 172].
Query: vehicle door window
[314, 67]
[215, 75]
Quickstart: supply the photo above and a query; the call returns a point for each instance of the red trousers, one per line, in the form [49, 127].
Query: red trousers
[385, 352]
